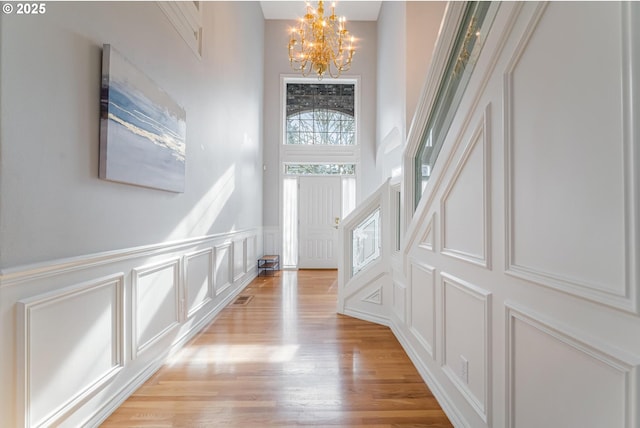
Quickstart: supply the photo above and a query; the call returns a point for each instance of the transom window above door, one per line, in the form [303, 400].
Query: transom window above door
[320, 114]
[319, 169]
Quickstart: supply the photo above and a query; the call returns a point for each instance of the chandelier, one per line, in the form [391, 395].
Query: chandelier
[321, 44]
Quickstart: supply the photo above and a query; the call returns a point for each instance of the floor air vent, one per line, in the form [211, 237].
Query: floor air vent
[242, 300]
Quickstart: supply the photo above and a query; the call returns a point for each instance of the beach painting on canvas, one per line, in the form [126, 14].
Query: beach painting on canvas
[142, 130]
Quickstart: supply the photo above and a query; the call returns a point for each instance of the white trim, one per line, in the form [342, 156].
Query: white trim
[629, 299]
[25, 308]
[483, 409]
[136, 275]
[439, 391]
[476, 86]
[243, 267]
[186, 18]
[481, 133]
[430, 348]
[608, 356]
[367, 316]
[221, 288]
[25, 273]
[374, 297]
[119, 397]
[319, 154]
[190, 312]
[427, 242]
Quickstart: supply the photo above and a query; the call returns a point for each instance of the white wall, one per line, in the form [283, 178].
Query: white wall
[407, 33]
[392, 87]
[53, 203]
[276, 65]
[78, 254]
[423, 26]
[518, 295]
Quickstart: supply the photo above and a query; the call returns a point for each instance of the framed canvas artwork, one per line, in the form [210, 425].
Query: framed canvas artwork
[142, 130]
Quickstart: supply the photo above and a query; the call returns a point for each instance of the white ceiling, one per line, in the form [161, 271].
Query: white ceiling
[292, 9]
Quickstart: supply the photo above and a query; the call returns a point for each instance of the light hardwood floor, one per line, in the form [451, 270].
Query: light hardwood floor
[284, 359]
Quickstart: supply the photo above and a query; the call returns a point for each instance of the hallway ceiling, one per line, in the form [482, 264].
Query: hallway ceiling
[353, 10]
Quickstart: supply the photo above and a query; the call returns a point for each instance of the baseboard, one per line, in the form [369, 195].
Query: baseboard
[121, 396]
[364, 316]
[456, 418]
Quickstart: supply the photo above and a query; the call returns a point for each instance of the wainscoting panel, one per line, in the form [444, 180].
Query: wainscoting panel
[544, 145]
[223, 278]
[465, 204]
[155, 303]
[239, 258]
[422, 303]
[556, 216]
[466, 335]
[399, 301]
[71, 344]
[429, 235]
[368, 302]
[89, 330]
[198, 280]
[251, 257]
[598, 388]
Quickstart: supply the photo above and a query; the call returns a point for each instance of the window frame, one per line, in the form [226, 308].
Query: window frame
[317, 153]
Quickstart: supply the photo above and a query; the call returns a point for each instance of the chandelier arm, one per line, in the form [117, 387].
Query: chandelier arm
[320, 44]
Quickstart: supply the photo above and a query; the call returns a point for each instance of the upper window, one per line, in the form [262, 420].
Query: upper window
[320, 114]
[471, 36]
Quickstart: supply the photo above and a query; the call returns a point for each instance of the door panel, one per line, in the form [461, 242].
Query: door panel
[320, 202]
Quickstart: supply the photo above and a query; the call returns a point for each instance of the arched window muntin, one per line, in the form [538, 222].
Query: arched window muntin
[320, 113]
[321, 127]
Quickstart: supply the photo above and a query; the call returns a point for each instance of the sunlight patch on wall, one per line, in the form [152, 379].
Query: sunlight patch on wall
[205, 212]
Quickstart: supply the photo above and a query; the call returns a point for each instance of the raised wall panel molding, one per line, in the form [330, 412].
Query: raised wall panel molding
[481, 141]
[223, 268]
[422, 296]
[23, 274]
[431, 378]
[251, 258]
[399, 301]
[239, 259]
[370, 277]
[428, 237]
[414, 219]
[72, 343]
[374, 297]
[620, 293]
[198, 295]
[60, 364]
[186, 17]
[451, 364]
[156, 303]
[358, 300]
[590, 364]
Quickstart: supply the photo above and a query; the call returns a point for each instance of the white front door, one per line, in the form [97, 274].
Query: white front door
[320, 210]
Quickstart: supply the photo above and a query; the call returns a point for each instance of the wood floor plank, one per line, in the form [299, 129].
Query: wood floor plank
[284, 359]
